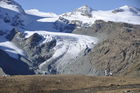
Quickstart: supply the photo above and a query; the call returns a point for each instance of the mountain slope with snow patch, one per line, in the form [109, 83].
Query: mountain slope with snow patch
[11, 5]
[10, 48]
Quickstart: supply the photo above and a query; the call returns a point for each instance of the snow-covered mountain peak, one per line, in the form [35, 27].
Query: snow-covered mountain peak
[128, 9]
[11, 5]
[84, 9]
[125, 7]
[40, 13]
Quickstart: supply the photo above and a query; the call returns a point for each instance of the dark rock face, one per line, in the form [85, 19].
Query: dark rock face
[118, 10]
[12, 34]
[64, 25]
[7, 19]
[17, 21]
[119, 49]
[34, 40]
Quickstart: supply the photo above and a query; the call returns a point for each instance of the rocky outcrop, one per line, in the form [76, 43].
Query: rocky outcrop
[64, 25]
[34, 40]
[36, 51]
[1, 72]
[12, 34]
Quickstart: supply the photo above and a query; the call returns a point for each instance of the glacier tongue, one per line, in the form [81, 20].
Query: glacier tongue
[68, 48]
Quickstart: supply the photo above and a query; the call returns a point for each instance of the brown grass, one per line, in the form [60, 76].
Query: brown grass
[68, 84]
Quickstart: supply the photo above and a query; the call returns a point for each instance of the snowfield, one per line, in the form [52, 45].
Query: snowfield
[39, 13]
[10, 48]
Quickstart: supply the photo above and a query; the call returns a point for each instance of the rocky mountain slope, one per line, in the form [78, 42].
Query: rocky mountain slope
[118, 51]
[47, 43]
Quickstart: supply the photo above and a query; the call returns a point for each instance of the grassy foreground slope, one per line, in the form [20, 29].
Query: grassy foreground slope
[68, 84]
